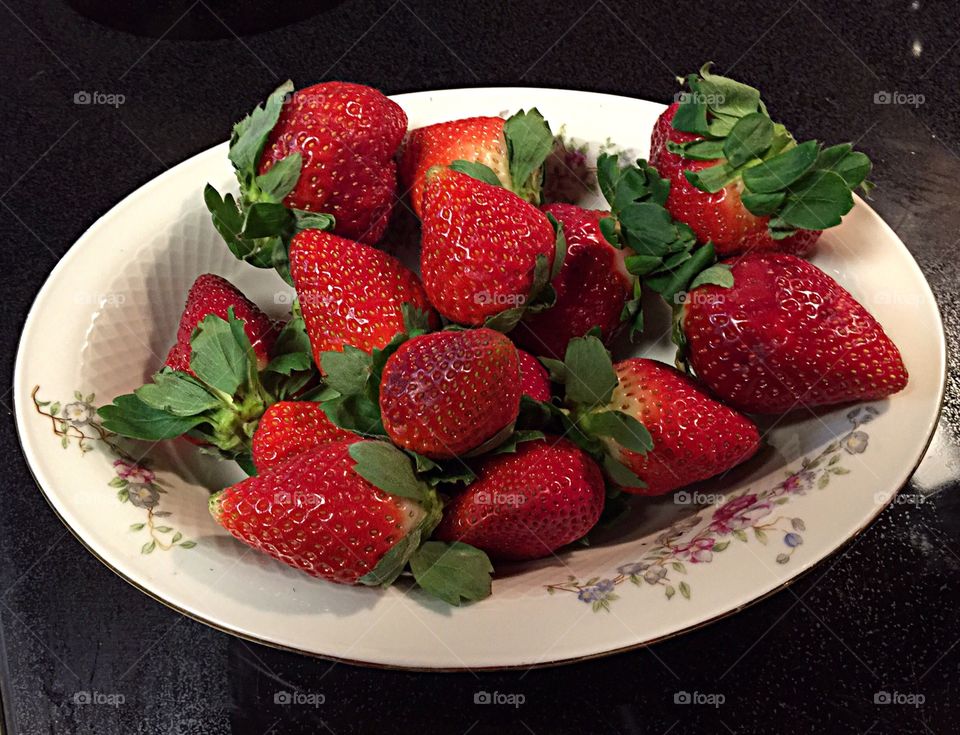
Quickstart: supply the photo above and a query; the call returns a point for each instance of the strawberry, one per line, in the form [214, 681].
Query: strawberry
[346, 135]
[212, 294]
[351, 293]
[326, 513]
[740, 180]
[289, 428]
[528, 504]
[485, 250]
[448, 393]
[534, 378]
[512, 152]
[786, 334]
[320, 157]
[315, 513]
[694, 436]
[592, 287]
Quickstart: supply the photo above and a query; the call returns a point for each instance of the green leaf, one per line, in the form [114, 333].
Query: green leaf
[762, 204]
[228, 221]
[392, 563]
[148, 547]
[388, 468]
[515, 439]
[779, 172]
[266, 219]
[529, 142]
[684, 589]
[727, 96]
[279, 181]
[691, 114]
[621, 427]
[712, 179]
[414, 318]
[313, 220]
[852, 166]
[131, 417]
[250, 134]
[698, 150]
[749, 138]
[137, 526]
[621, 474]
[670, 281]
[216, 357]
[452, 572]
[590, 378]
[290, 363]
[816, 202]
[356, 413]
[716, 275]
[347, 372]
[478, 171]
[177, 393]
[188, 544]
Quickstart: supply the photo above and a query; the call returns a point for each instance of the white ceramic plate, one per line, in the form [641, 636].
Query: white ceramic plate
[107, 314]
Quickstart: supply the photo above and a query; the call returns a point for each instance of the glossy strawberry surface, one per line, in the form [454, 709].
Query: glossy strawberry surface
[351, 293]
[289, 428]
[719, 217]
[694, 435]
[785, 336]
[475, 139]
[445, 394]
[592, 287]
[315, 513]
[347, 135]
[211, 294]
[528, 504]
[534, 378]
[479, 248]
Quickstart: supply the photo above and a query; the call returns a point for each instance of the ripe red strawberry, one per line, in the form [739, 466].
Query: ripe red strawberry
[592, 287]
[528, 504]
[212, 294]
[347, 135]
[511, 152]
[694, 436]
[719, 217]
[534, 378]
[315, 513]
[478, 139]
[784, 335]
[289, 428]
[351, 293]
[480, 247]
[444, 394]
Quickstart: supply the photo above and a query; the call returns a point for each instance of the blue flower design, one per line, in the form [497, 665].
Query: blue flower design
[596, 592]
[793, 540]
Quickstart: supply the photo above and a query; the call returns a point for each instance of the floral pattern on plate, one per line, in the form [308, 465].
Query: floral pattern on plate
[76, 424]
[695, 540]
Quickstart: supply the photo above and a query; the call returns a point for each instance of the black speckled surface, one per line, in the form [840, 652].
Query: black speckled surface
[879, 615]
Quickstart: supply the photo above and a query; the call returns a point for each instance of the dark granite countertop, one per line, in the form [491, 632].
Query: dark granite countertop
[876, 616]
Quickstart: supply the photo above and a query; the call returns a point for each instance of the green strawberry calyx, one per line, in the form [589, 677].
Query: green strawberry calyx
[586, 415]
[799, 186]
[453, 572]
[220, 405]
[257, 226]
[529, 141]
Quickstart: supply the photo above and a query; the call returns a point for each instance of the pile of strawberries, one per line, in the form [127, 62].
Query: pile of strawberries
[392, 424]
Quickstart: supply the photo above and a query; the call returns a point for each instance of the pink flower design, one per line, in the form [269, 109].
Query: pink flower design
[134, 473]
[739, 513]
[698, 551]
[797, 484]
